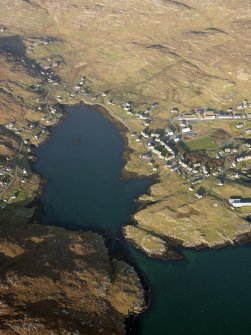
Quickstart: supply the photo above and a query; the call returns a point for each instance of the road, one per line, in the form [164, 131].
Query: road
[14, 166]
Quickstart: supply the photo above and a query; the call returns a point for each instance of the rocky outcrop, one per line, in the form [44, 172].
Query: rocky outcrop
[150, 243]
[57, 282]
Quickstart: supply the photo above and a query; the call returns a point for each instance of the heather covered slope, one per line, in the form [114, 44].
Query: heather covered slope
[184, 52]
[57, 282]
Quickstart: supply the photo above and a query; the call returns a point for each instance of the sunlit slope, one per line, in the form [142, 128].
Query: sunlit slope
[185, 53]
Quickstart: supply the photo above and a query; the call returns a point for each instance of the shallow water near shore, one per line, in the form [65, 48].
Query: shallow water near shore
[206, 293]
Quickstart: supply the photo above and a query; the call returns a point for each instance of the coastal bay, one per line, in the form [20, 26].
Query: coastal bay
[203, 293]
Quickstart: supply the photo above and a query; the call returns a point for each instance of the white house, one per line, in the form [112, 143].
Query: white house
[186, 130]
[245, 158]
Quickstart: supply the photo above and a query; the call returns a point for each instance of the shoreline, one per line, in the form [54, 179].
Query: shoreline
[122, 239]
[125, 175]
[122, 130]
[37, 217]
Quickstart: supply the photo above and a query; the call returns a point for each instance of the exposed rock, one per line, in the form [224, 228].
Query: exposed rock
[57, 282]
[154, 246]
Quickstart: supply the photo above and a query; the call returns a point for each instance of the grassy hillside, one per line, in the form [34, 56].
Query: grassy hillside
[185, 53]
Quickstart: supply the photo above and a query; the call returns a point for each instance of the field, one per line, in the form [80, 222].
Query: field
[203, 143]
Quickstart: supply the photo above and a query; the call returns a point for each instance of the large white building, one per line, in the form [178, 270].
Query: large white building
[240, 202]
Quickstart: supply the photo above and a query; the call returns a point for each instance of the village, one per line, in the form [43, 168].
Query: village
[198, 158]
[201, 159]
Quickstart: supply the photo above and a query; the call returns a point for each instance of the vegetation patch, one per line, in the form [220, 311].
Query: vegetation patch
[200, 144]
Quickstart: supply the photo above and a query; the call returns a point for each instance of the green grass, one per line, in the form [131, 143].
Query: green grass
[20, 196]
[203, 143]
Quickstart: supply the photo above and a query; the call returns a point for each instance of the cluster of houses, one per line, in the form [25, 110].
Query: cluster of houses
[144, 116]
[52, 114]
[43, 41]
[202, 114]
[5, 174]
[48, 75]
[80, 88]
[162, 144]
[36, 131]
[244, 158]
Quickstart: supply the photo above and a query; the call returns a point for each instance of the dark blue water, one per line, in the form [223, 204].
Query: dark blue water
[82, 163]
[207, 293]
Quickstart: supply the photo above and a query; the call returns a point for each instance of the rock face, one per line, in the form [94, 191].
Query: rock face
[57, 282]
[147, 241]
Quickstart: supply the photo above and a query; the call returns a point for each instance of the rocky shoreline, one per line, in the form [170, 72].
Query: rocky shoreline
[166, 244]
[70, 272]
[123, 298]
[125, 134]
